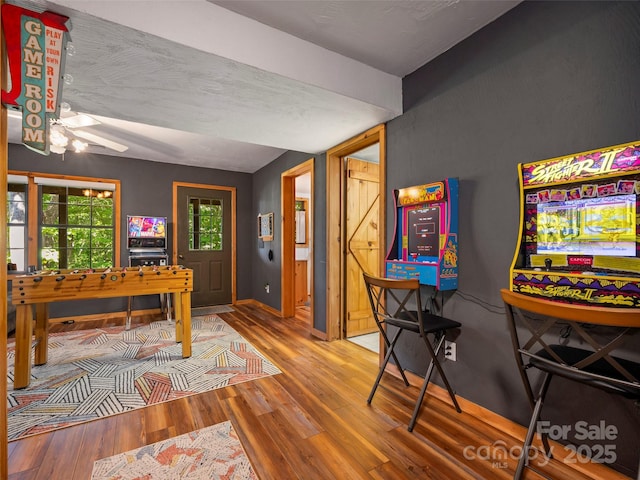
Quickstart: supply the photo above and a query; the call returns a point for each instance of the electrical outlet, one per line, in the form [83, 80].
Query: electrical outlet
[266, 287]
[450, 352]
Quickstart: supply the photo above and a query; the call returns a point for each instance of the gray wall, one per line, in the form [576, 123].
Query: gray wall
[146, 189]
[547, 79]
[266, 198]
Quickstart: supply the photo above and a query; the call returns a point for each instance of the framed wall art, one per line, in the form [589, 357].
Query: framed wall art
[265, 226]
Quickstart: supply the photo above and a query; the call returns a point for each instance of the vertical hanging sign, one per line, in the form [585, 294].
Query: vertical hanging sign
[35, 45]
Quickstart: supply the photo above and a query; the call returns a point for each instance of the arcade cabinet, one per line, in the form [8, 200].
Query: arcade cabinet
[147, 240]
[425, 242]
[579, 227]
[147, 243]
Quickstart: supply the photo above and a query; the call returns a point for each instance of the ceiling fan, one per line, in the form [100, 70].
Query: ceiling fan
[71, 124]
[68, 131]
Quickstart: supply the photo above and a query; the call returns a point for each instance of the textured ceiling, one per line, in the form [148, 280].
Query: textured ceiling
[234, 84]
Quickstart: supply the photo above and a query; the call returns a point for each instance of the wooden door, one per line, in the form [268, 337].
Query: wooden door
[204, 243]
[300, 282]
[362, 245]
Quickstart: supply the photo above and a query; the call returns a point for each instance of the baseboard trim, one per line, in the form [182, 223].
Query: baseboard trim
[257, 304]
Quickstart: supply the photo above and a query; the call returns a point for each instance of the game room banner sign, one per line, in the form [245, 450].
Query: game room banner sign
[35, 43]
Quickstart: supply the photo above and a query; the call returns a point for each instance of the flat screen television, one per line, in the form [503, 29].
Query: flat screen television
[588, 226]
[139, 226]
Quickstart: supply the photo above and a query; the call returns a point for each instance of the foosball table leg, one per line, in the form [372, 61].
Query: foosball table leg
[178, 316]
[42, 334]
[184, 305]
[24, 332]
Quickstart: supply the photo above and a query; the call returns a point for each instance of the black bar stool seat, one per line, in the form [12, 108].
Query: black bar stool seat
[397, 303]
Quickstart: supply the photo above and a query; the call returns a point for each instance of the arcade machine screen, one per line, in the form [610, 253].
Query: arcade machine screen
[591, 226]
[146, 227]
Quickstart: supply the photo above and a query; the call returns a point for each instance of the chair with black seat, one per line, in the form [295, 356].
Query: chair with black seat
[397, 303]
[591, 364]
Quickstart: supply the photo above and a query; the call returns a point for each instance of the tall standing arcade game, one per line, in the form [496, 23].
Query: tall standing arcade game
[425, 242]
[579, 228]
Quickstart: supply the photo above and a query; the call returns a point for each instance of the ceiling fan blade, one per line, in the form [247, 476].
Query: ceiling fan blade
[78, 120]
[118, 147]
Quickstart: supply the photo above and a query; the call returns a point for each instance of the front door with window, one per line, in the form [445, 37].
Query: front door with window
[205, 242]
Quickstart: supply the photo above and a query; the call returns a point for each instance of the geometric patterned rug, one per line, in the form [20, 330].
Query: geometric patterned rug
[209, 453]
[96, 373]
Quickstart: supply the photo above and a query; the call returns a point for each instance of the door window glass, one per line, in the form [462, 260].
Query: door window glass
[205, 224]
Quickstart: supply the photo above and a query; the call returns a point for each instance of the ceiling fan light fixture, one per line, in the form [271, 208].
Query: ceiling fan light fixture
[79, 145]
[56, 149]
[57, 137]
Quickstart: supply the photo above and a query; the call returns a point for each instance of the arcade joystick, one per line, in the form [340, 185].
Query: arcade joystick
[547, 263]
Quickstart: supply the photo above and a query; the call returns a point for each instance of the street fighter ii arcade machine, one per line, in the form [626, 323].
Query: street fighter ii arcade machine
[578, 239]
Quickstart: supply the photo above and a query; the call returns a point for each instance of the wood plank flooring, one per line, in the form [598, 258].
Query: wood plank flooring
[310, 422]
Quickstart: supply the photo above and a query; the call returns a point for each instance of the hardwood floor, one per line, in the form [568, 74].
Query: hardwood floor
[310, 422]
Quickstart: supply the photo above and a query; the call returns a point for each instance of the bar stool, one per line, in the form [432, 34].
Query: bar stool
[412, 318]
[592, 364]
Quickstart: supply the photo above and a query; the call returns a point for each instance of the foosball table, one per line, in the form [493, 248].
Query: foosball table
[34, 292]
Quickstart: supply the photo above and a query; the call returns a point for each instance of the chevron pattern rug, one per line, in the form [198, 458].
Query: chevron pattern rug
[100, 372]
[210, 453]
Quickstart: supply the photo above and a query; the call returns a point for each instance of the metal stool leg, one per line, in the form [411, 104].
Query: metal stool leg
[127, 325]
[169, 312]
[384, 364]
[439, 341]
[524, 455]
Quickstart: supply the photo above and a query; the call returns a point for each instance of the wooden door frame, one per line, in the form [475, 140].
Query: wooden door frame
[174, 253]
[288, 247]
[335, 223]
[4, 166]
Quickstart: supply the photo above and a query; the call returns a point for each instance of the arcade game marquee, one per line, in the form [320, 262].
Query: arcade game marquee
[425, 242]
[578, 239]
